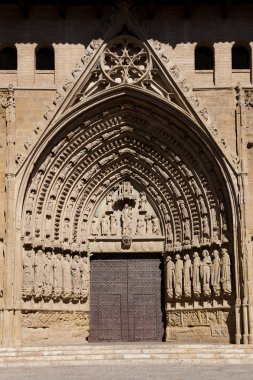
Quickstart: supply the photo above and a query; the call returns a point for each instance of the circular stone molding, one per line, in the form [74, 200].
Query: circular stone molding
[125, 60]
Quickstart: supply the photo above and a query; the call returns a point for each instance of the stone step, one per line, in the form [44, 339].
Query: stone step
[97, 353]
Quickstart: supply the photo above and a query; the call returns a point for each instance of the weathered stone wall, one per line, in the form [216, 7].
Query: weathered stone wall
[35, 90]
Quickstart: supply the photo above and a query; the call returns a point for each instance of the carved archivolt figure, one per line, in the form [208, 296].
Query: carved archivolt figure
[196, 274]
[28, 274]
[169, 233]
[127, 220]
[225, 272]
[170, 269]
[66, 277]
[155, 225]
[187, 230]
[38, 273]
[104, 225]
[215, 273]
[178, 276]
[206, 272]
[187, 275]
[57, 279]
[206, 229]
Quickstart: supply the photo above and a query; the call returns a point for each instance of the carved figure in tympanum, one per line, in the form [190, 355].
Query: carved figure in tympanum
[57, 276]
[28, 274]
[149, 224]
[170, 272]
[141, 226]
[66, 277]
[38, 273]
[187, 275]
[225, 272]
[205, 271]
[179, 266]
[109, 201]
[196, 274]
[104, 225]
[95, 226]
[127, 219]
[215, 273]
[114, 225]
[142, 201]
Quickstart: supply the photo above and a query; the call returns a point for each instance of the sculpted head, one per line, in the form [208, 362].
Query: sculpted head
[177, 257]
[205, 253]
[195, 254]
[40, 252]
[48, 254]
[215, 253]
[186, 257]
[76, 258]
[224, 251]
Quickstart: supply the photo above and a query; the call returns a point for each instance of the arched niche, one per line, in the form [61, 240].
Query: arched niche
[130, 136]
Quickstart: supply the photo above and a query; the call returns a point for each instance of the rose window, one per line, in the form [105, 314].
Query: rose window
[125, 60]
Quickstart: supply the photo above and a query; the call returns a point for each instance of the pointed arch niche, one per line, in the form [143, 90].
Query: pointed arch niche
[129, 146]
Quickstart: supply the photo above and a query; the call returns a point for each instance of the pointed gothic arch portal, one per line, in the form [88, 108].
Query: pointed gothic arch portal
[133, 174]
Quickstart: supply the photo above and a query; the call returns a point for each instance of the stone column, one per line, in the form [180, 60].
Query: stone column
[9, 267]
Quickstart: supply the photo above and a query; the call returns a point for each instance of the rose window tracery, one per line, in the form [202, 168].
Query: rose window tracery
[125, 60]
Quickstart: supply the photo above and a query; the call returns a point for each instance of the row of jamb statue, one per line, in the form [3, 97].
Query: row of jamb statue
[198, 276]
[55, 276]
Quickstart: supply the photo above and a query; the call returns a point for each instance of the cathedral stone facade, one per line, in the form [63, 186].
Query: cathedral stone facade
[126, 179]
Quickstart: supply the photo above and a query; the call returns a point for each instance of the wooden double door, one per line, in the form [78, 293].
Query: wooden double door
[127, 300]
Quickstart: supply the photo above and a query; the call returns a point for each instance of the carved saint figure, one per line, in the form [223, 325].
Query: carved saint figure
[142, 201]
[196, 274]
[66, 277]
[187, 275]
[38, 273]
[215, 273]
[114, 225]
[206, 229]
[169, 233]
[57, 279]
[183, 209]
[141, 227]
[84, 278]
[75, 276]
[127, 219]
[205, 272]
[178, 276]
[109, 201]
[225, 272]
[28, 274]
[104, 225]
[48, 274]
[155, 225]
[95, 226]
[28, 219]
[203, 208]
[149, 224]
[187, 230]
[66, 228]
[170, 271]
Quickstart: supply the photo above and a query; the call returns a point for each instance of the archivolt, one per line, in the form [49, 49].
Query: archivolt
[130, 140]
